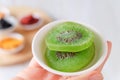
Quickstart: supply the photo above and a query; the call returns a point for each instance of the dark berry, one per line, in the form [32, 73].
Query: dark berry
[4, 24]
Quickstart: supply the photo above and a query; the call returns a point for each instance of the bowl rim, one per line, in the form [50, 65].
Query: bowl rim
[92, 68]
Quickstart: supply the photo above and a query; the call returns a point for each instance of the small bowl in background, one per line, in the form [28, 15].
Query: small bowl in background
[12, 20]
[16, 47]
[34, 25]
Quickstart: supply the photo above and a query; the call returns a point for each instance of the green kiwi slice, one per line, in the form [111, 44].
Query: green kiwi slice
[69, 61]
[69, 37]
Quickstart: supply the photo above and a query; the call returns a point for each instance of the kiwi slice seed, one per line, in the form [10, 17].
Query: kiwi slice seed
[63, 55]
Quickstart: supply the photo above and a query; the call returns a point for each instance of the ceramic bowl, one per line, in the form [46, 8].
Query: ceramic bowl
[15, 49]
[39, 47]
[32, 26]
[12, 20]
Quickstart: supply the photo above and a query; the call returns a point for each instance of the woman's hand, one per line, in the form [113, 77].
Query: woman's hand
[35, 72]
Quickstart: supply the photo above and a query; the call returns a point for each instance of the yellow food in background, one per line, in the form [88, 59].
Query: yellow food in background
[9, 43]
[1, 15]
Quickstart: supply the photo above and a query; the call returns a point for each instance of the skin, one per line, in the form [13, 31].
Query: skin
[35, 72]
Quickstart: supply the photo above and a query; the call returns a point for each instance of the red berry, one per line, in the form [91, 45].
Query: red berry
[29, 20]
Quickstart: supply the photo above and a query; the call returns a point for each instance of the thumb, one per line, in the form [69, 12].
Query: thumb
[109, 44]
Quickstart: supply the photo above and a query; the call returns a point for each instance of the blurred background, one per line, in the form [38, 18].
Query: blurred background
[104, 15]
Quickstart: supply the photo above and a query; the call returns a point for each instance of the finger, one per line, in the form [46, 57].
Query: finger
[51, 76]
[34, 64]
[41, 74]
[109, 44]
[36, 74]
[82, 77]
[17, 78]
[96, 76]
[47, 75]
[32, 74]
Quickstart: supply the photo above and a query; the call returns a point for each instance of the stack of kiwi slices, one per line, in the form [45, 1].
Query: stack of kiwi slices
[70, 47]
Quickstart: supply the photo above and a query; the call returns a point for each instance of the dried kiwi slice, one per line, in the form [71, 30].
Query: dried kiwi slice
[70, 61]
[69, 37]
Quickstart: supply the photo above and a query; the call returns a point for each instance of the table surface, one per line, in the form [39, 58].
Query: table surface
[101, 14]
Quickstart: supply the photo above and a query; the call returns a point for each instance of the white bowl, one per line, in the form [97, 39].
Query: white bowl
[39, 47]
[32, 26]
[13, 50]
[12, 21]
